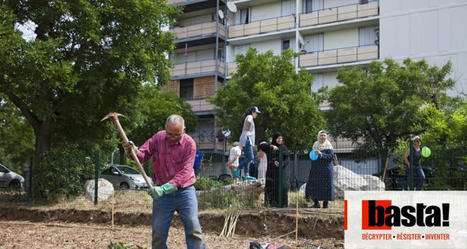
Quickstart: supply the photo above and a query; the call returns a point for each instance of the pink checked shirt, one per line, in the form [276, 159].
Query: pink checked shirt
[172, 163]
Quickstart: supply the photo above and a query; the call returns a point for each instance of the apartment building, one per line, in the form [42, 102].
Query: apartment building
[199, 64]
[327, 34]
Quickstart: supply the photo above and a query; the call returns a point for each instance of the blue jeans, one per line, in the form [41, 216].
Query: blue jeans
[185, 203]
[245, 162]
[418, 177]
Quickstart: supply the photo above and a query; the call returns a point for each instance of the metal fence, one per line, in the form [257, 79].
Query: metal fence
[216, 190]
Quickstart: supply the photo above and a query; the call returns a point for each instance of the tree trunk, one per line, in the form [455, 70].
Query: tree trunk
[383, 157]
[42, 133]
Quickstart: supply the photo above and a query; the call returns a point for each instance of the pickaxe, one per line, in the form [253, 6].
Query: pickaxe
[114, 116]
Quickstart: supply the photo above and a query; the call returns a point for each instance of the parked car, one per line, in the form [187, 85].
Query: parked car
[10, 179]
[124, 177]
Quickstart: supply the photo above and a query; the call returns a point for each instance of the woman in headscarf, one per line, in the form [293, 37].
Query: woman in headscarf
[320, 185]
[271, 191]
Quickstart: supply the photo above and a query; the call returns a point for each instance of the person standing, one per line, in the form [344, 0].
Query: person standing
[247, 139]
[273, 181]
[233, 162]
[419, 175]
[173, 152]
[197, 164]
[263, 162]
[320, 185]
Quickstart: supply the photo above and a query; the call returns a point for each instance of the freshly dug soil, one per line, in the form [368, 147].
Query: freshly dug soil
[43, 235]
[74, 228]
[264, 222]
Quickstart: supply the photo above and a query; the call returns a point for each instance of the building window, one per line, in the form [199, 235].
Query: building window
[186, 89]
[313, 5]
[288, 7]
[318, 82]
[368, 35]
[285, 44]
[245, 16]
[314, 43]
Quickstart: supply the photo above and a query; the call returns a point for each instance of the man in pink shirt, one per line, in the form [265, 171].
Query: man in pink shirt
[173, 154]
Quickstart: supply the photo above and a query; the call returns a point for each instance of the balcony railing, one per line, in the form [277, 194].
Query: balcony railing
[339, 55]
[197, 67]
[200, 105]
[341, 13]
[263, 26]
[196, 30]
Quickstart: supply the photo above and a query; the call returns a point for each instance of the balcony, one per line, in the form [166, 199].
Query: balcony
[196, 68]
[200, 105]
[341, 13]
[197, 30]
[195, 5]
[263, 26]
[338, 56]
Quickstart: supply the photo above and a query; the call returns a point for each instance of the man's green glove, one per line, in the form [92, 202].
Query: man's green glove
[157, 191]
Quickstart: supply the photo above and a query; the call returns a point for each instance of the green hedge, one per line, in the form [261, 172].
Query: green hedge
[62, 174]
[203, 183]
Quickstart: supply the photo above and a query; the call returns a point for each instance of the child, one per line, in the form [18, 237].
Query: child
[263, 163]
[233, 162]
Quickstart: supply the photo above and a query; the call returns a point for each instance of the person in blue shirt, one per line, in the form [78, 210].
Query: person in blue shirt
[197, 164]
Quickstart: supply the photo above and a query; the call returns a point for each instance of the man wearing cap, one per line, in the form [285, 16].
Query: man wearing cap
[247, 139]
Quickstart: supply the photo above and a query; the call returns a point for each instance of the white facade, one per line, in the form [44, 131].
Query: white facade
[431, 30]
[326, 35]
[334, 33]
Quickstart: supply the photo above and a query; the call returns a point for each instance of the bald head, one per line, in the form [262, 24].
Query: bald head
[175, 119]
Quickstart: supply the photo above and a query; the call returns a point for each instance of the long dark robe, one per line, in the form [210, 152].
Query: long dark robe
[320, 183]
[271, 190]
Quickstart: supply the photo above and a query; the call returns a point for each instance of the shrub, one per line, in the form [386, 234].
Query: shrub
[217, 200]
[203, 183]
[62, 173]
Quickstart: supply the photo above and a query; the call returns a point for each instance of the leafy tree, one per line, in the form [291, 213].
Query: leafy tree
[84, 59]
[375, 106]
[283, 96]
[17, 138]
[445, 134]
[152, 109]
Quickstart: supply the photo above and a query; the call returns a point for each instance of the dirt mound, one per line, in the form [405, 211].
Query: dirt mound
[313, 224]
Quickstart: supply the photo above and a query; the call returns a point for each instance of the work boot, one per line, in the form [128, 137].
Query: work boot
[325, 204]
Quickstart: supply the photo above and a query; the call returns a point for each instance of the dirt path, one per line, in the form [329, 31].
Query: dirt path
[43, 235]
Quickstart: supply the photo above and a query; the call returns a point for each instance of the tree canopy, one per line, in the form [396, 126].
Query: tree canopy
[151, 111]
[17, 138]
[83, 60]
[375, 106]
[270, 82]
[445, 133]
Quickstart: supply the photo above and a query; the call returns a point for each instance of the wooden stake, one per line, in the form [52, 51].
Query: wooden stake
[296, 222]
[385, 168]
[113, 209]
